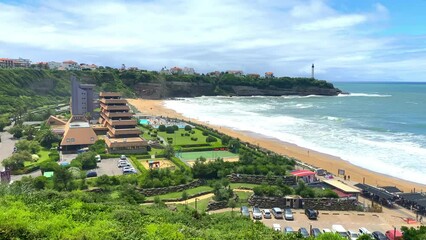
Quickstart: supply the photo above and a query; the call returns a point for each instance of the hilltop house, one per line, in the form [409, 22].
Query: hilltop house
[14, 63]
[70, 65]
[253, 75]
[176, 70]
[237, 73]
[269, 75]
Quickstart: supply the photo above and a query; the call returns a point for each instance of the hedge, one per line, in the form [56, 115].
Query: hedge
[138, 165]
[195, 145]
[180, 164]
[197, 149]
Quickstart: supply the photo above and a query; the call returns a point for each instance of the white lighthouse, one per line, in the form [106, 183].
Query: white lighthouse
[313, 71]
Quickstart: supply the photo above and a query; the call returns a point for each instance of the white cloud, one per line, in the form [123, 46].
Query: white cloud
[256, 36]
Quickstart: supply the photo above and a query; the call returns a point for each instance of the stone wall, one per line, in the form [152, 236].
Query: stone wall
[296, 202]
[214, 205]
[179, 188]
[257, 179]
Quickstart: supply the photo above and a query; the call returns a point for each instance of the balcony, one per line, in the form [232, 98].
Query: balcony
[113, 101]
[115, 107]
[117, 114]
[109, 94]
[130, 131]
[131, 122]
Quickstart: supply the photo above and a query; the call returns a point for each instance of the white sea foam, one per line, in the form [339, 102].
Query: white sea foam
[399, 154]
[364, 95]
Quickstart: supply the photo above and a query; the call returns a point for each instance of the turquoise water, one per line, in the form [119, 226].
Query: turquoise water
[379, 126]
[143, 121]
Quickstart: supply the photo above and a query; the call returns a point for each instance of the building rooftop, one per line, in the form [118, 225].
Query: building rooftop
[341, 186]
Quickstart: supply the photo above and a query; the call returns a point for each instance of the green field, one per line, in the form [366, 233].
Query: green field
[178, 195]
[243, 185]
[191, 156]
[179, 140]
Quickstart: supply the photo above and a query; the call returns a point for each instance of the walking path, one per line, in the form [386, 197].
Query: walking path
[6, 145]
[191, 200]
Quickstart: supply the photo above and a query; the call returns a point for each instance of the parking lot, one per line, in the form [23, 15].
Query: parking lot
[105, 166]
[349, 220]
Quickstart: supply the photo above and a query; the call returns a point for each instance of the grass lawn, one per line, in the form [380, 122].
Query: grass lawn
[188, 156]
[201, 204]
[177, 195]
[179, 140]
[244, 185]
[243, 198]
[44, 156]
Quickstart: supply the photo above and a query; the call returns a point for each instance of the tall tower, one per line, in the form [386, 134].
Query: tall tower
[313, 71]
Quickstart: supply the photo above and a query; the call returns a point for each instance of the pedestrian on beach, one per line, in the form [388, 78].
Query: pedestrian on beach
[421, 219]
[417, 217]
[344, 177]
[349, 178]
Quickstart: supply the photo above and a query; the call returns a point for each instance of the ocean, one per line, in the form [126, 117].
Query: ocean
[378, 126]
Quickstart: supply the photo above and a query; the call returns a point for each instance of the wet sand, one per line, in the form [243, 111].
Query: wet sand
[321, 160]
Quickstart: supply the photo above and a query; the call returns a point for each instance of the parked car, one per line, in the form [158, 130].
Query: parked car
[245, 211]
[124, 164]
[98, 158]
[304, 232]
[353, 235]
[267, 214]
[128, 170]
[326, 230]
[394, 234]
[288, 230]
[339, 229]
[257, 214]
[379, 235]
[363, 231]
[316, 232]
[91, 174]
[277, 212]
[311, 214]
[123, 157]
[288, 214]
[276, 227]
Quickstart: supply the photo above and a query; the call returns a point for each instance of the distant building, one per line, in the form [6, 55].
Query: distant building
[40, 65]
[87, 67]
[21, 63]
[123, 135]
[176, 70]
[188, 71]
[313, 71]
[14, 63]
[237, 73]
[54, 65]
[82, 100]
[253, 75]
[165, 71]
[269, 75]
[6, 63]
[70, 66]
[57, 125]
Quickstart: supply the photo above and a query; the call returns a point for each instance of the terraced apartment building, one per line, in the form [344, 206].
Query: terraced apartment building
[123, 136]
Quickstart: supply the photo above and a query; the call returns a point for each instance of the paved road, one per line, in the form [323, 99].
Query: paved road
[6, 145]
[32, 174]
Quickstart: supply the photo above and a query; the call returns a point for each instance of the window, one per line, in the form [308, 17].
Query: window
[68, 140]
[92, 139]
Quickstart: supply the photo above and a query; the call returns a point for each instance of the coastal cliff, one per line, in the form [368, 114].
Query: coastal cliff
[175, 89]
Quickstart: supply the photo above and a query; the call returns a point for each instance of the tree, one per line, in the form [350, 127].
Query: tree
[170, 129]
[98, 147]
[85, 161]
[414, 234]
[46, 138]
[184, 195]
[30, 146]
[232, 204]
[234, 145]
[188, 128]
[17, 131]
[162, 128]
[225, 140]
[17, 160]
[211, 139]
[62, 179]
[169, 152]
[40, 182]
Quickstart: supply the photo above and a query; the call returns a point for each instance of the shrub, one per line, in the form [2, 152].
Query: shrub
[182, 134]
[188, 128]
[154, 135]
[175, 127]
[162, 128]
[187, 134]
[211, 139]
[205, 133]
[194, 138]
[170, 129]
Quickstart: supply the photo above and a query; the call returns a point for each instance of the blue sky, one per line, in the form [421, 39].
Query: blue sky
[347, 40]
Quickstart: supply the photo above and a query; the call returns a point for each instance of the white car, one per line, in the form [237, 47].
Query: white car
[123, 157]
[364, 230]
[276, 227]
[122, 163]
[98, 158]
[128, 170]
[353, 235]
[326, 230]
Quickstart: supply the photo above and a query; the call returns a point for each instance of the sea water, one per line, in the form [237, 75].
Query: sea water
[378, 126]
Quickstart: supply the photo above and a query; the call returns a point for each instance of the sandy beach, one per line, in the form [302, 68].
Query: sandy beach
[330, 163]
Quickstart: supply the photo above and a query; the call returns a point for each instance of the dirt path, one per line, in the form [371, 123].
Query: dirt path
[191, 200]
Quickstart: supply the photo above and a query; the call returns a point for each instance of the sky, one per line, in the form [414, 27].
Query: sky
[347, 40]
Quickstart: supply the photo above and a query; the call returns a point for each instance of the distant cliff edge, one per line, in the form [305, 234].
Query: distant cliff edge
[174, 89]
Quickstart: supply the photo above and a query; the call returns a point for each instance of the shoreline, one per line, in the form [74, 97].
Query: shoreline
[305, 155]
